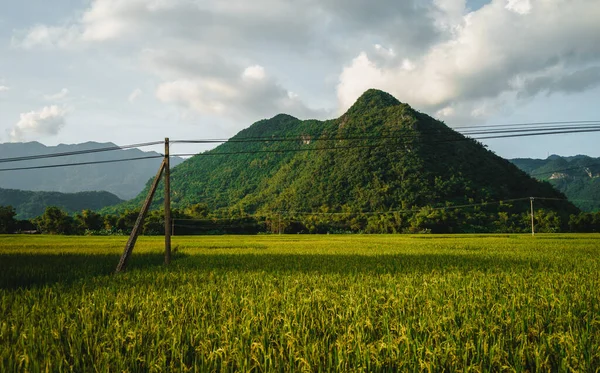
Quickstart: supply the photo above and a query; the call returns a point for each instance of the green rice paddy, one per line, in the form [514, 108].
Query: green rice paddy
[301, 303]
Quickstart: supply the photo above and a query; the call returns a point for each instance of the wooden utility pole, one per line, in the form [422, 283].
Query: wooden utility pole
[532, 226]
[137, 227]
[167, 203]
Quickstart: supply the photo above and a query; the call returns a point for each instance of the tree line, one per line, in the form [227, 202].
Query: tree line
[199, 219]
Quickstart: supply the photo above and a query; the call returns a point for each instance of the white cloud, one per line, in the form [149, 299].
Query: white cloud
[4, 88]
[251, 94]
[519, 6]
[435, 54]
[201, 96]
[551, 47]
[202, 53]
[47, 37]
[255, 72]
[59, 96]
[47, 121]
[134, 95]
[386, 52]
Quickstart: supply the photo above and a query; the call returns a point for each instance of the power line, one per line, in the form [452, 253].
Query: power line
[533, 130]
[531, 124]
[409, 210]
[537, 134]
[80, 163]
[413, 210]
[78, 152]
[391, 135]
[446, 140]
[571, 127]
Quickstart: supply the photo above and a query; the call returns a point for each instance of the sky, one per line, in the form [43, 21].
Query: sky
[131, 71]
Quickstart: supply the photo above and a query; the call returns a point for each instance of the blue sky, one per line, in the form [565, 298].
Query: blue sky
[130, 71]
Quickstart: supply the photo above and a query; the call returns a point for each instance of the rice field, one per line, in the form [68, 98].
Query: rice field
[302, 303]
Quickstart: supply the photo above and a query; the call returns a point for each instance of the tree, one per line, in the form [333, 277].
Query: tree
[127, 220]
[585, 222]
[110, 222]
[154, 224]
[55, 221]
[197, 211]
[7, 219]
[90, 220]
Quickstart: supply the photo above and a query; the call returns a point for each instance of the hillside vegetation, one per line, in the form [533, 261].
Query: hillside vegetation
[381, 156]
[32, 204]
[577, 177]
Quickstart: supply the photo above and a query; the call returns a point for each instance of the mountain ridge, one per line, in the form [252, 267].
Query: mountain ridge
[578, 177]
[28, 204]
[124, 179]
[381, 155]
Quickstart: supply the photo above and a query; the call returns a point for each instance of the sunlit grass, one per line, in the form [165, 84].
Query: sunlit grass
[294, 303]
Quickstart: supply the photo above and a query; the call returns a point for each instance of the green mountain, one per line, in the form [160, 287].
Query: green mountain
[381, 155]
[578, 177]
[125, 179]
[32, 204]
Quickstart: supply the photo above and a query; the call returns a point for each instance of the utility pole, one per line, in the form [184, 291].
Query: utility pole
[167, 204]
[532, 224]
[137, 227]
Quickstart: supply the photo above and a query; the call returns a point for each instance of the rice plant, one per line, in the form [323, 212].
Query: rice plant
[302, 303]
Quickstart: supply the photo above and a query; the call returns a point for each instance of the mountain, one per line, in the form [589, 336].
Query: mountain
[578, 177]
[125, 179]
[32, 204]
[387, 157]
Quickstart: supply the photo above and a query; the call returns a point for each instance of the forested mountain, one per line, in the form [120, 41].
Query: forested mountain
[578, 177]
[32, 204]
[125, 179]
[380, 156]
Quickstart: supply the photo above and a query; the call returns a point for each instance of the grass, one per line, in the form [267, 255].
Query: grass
[302, 303]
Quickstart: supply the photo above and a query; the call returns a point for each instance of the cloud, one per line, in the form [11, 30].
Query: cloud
[4, 88]
[217, 44]
[298, 25]
[551, 47]
[45, 122]
[252, 93]
[519, 6]
[242, 59]
[556, 80]
[255, 72]
[47, 37]
[133, 96]
[59, 96]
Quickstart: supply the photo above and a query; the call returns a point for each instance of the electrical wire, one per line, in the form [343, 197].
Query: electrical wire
[570, 127]
[80, 163]
[413, 210]
[79, 152]
[216, 153]
[531, 132]
[533, 124]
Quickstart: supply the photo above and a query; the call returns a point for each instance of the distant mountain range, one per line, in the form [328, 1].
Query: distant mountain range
[31, 204]
[124, 179]
[578, 177]
[381, 155]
